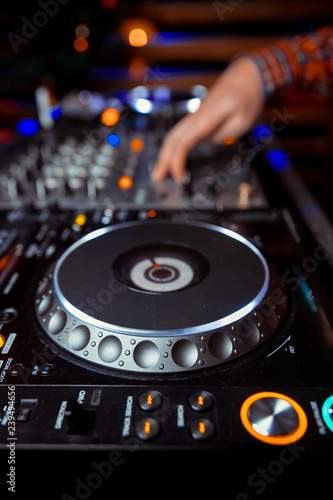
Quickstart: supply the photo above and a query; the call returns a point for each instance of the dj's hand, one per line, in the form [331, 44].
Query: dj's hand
[231, 107]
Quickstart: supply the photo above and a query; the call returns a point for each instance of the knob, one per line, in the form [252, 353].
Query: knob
[273, 418]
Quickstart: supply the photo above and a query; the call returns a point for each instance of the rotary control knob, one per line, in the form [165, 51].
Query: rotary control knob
[273, 418]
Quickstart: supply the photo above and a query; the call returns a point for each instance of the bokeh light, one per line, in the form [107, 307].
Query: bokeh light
[125, 182]
[109, 4]
[138, 37]
[110, 117]
[80, 44]
[136, 144]
[138, 68]
[27, 126]
[82, 31]
[113, 140]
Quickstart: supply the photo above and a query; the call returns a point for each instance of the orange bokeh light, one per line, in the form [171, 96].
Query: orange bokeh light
[138, 68]
[110, 117]
[80, 44]
[109, 4]
[136, 144]
[125, 182]
[138, 37]
[229, 140]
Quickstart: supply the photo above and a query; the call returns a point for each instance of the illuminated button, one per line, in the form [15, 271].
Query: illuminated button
[202, 429]
[149, 400]
[147, 428]
[327, 412]
[125, 182]
[273, 418]
[46, 369]
[2, 341]
[201, 401]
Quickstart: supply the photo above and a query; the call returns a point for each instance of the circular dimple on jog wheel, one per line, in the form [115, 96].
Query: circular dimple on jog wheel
[273, 418]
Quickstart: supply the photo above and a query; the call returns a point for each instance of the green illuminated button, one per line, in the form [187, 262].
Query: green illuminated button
[327, 412]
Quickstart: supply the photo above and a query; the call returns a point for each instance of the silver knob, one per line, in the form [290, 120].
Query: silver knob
[273, 417]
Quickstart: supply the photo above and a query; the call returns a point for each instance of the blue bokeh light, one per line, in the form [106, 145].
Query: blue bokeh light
[278, 160]
[113, 140]
[262, 132]
[55, 112]
[27, 126]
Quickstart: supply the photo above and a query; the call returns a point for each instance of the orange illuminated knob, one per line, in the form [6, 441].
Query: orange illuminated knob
[273, 418]
[125, 182]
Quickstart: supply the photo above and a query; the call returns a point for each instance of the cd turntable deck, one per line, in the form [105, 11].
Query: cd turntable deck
[161, 333]
[131, 321]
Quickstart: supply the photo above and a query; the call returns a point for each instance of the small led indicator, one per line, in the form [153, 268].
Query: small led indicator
[202, 427]
[2, 341]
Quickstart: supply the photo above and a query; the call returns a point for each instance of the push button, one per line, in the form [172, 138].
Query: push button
[273, 418]
[327, 412]
[201, 401]
[202, 429]
[149, 401]
[147, 428]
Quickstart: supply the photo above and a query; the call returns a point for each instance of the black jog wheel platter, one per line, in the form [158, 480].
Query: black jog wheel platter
[160, 297]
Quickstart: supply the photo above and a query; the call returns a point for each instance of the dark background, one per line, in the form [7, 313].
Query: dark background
[190, 42]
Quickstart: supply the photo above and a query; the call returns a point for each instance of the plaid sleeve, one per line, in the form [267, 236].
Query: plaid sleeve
[303, 62]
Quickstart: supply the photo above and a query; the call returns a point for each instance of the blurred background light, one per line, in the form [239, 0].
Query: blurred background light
[109, 4]
[278, 160]
[262, 132]
[138, 37]
[27, 126]
[142, 106]
[193, 105]
[110, 117]
[113, 140]
[82, 31]
[80, 44]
